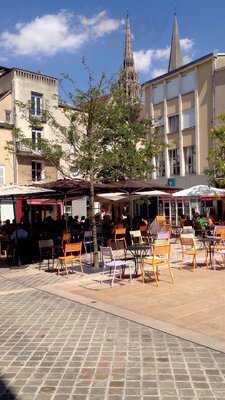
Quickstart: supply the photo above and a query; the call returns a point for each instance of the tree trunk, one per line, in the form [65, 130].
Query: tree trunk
[93, 223]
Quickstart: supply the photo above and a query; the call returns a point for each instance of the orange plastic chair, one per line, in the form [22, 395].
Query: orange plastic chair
[160, 258]
[72, 253]
[190, 247]
[120, 236]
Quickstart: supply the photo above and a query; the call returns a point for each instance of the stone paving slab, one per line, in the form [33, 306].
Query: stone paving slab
[53, 348]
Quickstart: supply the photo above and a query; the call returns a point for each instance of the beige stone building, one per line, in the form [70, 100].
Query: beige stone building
[185, 103]
[38, 92]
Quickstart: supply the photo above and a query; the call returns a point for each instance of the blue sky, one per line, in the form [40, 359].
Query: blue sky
[52, 36]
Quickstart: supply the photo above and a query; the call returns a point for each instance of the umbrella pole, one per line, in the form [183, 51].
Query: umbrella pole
[66, 216]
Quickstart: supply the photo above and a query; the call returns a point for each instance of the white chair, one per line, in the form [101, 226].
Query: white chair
[112, 266]
[219, 250]
[136, 237]
[163, 235]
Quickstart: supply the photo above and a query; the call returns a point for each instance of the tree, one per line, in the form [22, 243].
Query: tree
[216, 170]
[104, 138]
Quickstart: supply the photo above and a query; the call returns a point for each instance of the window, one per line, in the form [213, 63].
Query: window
[36, 138]
[174, 158]
[159, 124]
[36, 104]
[160, 165]
[158, 94]
[36, 171]
[173, 123]
[188, 82]
[172, 88]
[188, 118]
[189, 160]
[7, 115]
[2, 174]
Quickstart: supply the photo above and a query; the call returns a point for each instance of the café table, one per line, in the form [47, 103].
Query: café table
[138, 251]
[211, 241]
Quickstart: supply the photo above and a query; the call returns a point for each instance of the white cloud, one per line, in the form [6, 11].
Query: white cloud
[143, 59]
[158, 72]
[51, 33]
[101, 24]
[162, 54]
[186, 44]
[154, 59]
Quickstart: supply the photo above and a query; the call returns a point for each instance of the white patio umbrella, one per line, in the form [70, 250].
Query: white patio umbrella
[117, 196]
[153, 193]
[200, 191]
[21, 190]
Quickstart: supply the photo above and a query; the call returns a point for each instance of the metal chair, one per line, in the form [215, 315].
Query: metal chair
[72, 253]
[46, 247]
[136, 237]
[190, 247]
[111, 265]
[144, 229]
[160, 258]
[163, 235]
[66, 238]
[120, 236]
[219, 230]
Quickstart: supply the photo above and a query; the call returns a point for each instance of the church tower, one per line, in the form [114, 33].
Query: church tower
[176, 59]
[128, 78]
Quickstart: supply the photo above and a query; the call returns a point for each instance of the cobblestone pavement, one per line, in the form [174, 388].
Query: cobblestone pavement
[55, 349]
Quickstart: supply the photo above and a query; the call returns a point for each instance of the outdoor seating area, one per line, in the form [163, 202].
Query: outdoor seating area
[131, 245]
[134, 249]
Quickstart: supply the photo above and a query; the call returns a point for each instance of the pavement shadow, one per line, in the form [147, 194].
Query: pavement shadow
[6, 393]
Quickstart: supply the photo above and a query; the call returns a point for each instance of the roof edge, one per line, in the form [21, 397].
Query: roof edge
[167, 74]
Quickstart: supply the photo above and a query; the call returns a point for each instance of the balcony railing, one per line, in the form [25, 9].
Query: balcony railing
[22, 149]
[42, 118]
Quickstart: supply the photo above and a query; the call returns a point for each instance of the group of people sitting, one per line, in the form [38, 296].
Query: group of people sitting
[21, 239]
[200, 222]
[25, 236]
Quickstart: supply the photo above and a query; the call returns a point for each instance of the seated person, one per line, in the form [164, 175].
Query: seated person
[202, 222]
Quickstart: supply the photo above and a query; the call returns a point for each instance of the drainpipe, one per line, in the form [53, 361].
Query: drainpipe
[15, 172]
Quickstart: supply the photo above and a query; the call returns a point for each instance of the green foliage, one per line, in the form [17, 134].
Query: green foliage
[216, 170]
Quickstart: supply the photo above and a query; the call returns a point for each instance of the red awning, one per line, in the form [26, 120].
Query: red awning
[44, 202]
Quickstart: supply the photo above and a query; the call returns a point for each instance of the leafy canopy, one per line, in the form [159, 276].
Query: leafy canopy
[216, 170]
[104, 136]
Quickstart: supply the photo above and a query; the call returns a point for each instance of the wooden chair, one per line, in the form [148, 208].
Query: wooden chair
[112, 266]
[144, 229]
[46, 247]
[120, 236]
[220, 231]
[66, 238]
[72, 253]
[136, 237]
[190, 247]
[160, 258]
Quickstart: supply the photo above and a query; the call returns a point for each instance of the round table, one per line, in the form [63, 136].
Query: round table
[138, 251]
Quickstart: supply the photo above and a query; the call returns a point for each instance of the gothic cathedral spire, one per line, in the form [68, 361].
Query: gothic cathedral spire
[176, 59]
[128, 78]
